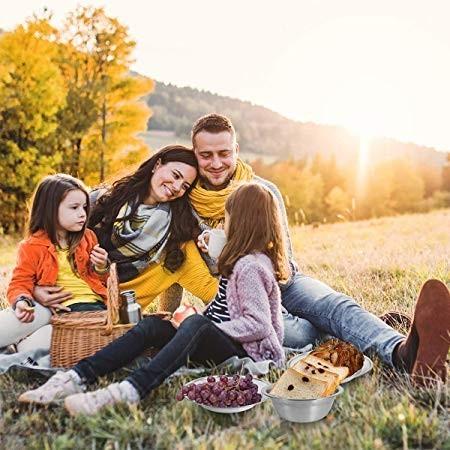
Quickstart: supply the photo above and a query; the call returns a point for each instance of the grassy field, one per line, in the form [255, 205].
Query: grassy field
[382, 263]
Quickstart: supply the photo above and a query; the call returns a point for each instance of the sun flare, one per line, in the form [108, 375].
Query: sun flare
[363, 163]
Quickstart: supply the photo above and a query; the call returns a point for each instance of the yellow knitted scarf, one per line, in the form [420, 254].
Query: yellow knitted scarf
[210, 205]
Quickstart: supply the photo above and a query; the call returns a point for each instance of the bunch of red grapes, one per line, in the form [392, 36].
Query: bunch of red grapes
[222, 391]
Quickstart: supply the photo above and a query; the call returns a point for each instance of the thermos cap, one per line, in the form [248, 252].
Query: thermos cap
[130, 293]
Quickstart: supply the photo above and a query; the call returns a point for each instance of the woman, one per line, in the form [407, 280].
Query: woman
[145, 223]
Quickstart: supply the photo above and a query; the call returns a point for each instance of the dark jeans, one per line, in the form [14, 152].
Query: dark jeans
[83, 307]
[197, 339]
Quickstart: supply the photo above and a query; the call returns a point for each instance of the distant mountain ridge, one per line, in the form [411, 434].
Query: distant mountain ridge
[265, 132]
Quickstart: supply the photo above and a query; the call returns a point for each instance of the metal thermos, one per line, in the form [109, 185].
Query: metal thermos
[130, 311]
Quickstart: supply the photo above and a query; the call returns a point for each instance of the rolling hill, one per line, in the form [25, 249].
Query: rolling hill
[265, 133]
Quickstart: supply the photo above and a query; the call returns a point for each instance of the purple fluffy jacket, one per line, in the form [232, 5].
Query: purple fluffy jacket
[254, 304]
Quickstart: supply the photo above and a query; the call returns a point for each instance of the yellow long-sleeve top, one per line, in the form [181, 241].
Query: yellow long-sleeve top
[193, 275]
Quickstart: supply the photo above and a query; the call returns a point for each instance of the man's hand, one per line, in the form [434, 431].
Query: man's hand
[99, 257]
[24, 312]
[50, 296]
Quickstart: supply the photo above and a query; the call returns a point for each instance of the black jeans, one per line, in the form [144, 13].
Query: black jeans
[83, 307]
[197, 339]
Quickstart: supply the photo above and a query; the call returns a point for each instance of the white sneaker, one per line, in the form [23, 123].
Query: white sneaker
[90, 403]
[58, 387]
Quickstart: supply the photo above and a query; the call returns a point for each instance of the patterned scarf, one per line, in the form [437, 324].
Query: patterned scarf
[210, 205]
[140, 240]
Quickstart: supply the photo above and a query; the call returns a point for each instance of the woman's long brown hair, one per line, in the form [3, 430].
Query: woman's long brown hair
[255, 226]
[50, 192]
[183, 226]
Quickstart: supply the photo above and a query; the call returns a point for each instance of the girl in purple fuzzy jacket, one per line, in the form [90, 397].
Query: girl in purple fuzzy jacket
[244, 319]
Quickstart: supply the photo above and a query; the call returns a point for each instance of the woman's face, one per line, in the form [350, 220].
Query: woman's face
[170, 181]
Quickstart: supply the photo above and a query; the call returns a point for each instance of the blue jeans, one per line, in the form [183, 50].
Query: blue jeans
[320, 310]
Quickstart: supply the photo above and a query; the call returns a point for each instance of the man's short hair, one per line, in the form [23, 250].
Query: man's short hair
[212, 123]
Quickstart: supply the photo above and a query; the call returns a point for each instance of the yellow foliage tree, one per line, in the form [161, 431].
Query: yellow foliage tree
[31, 95]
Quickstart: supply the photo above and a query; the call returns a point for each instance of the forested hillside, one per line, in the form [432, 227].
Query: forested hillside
[265, 132]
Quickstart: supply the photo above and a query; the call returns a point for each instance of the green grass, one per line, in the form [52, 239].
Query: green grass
[382, 263]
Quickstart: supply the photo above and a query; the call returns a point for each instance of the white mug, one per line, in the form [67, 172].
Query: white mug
[216, 243]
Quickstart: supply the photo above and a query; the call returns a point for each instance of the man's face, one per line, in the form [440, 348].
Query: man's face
[217, 155]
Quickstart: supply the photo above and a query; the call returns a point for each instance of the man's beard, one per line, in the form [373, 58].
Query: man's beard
[213, 187]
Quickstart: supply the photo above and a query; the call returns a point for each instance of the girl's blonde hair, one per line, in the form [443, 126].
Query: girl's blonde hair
[255, 225]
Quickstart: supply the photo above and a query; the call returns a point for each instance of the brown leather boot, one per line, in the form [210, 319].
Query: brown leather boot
[424, 352]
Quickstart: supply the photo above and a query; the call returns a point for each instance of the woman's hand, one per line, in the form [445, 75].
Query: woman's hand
[24, 312]
[51, 296]
[99, 258]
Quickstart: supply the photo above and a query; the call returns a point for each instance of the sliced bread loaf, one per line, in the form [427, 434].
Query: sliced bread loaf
[340, 353]
[341, 372]
[331, 378]
[294, 385]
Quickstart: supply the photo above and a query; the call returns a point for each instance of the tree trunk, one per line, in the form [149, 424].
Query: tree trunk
[102, 150]
[75, 164]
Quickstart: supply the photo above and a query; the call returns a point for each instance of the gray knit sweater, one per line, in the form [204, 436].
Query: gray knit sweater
[254, 304]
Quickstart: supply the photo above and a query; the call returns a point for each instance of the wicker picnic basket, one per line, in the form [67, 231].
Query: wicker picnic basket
[78, 335]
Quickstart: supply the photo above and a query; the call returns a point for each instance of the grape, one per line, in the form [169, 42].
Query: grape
[222, 391]
[242, 385]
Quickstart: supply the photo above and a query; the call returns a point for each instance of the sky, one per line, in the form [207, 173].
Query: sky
[377, 67]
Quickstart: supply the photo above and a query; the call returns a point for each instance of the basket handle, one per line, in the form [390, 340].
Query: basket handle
[112, 304]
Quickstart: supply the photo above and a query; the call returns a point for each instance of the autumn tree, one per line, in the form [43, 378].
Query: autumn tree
[112, 142]
[67, 103]
[393, 187]
[95, 57]
[446, 175]
[31, 96]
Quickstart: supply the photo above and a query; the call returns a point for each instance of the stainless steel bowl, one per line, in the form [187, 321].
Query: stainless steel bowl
[302, 410]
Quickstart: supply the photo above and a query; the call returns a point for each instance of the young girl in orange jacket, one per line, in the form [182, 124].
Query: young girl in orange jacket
[59, 251]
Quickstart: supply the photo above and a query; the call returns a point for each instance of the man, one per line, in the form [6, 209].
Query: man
[319, 308]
